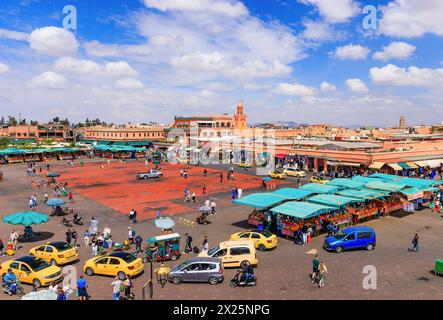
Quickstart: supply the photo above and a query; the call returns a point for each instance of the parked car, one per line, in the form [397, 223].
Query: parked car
[200, 269]
[56, 253]
[263, 240]
[358, 237]
[150, 174]
[277, 174]
[315, 179]
[118, 263]
[233, 253]
[293, 172]
[33, 271]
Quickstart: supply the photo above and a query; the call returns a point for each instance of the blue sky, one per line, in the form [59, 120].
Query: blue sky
[148, 60]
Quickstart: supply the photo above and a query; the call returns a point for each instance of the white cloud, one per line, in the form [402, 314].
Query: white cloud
[317, 30]
[49, 80]
[325, 86]
[76, 66]
[3, 68]
[395, 50]
[98, 49]
[129, 83]
[229, 8]
[119, 68]
[412, 76]
[13, 35]
[357, 85]
[335, 11]
[293, 89]
[53, 41]
[412, 18]
[351, 52]
[207, 94]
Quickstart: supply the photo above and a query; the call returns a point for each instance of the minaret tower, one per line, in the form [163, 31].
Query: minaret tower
[240, 117]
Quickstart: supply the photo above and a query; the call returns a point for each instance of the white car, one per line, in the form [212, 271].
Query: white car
[293, 172]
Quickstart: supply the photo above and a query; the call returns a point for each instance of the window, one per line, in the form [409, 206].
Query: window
[42, 248]
[221, 253]
[350, 237]
[102, 261]
[193, 267]
[255, 236]
[114, 261]
[239, 251]
[245, 235]
[364, 235]
[49, 249]
[25, 268]
[14, 265]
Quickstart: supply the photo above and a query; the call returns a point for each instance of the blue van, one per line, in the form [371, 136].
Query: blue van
[358, 237]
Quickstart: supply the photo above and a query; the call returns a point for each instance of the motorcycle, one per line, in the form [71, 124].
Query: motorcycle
[14, 288]
[240, 280]
[65, 222]
[78, 220]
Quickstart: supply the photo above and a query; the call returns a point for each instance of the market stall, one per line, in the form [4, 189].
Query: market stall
[320, 188]
[346, 183]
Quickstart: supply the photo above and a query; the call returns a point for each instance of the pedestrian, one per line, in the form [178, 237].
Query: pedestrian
[315, 268]
[82, 288]
[117, 285]
[322, 270]
[204, 189]
[221, 177]
[86, 238]
[233, 193]
[31, 203]
[207, 203]
[205, 244]
[213, 206]
[68, 236]
[205, 172]
[414, 246]
[13, 238]
[138, 243]
[188, 243]
[131, 216]
[181, 173]
[94, 248]
[70, 196]
[46, 197]
[74, 236]
[304, 231]
[131, 235]
[2, 247]
[185, 174]
[61, 295]
[128, 285]
[239, 193]
[193, 199]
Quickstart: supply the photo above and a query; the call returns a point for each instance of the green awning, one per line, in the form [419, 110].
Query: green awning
[293, 193]
[331, 200]
[346, 183]
[301, 210]
[319, 188]
[261, 200]
[404, 165]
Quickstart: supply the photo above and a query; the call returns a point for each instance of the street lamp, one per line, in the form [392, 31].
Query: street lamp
[162, 274]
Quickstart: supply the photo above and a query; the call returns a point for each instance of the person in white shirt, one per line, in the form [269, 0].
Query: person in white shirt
[213, 206]
[116, 284]
[106, 232]
[239, 192]
[207, 203]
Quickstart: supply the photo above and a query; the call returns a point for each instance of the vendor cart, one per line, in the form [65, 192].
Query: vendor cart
[438, 269]
[162, 248]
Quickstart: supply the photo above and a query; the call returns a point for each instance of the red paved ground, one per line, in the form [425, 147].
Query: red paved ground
[115, 186]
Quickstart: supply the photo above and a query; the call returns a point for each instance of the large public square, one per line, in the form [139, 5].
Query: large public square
[109, 191]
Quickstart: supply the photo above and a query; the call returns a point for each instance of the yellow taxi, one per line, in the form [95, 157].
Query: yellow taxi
[277, 174]
[114, 264]
[318, 180]
[56, 253]
[263, 240]
[292, 172]
[33, 271]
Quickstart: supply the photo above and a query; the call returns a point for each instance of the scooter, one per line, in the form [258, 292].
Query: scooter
[240, 280]
[77, 220]
[65, 222]
[14, 288]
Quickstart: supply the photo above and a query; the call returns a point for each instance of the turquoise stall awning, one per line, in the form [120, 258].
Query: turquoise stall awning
[404, 165]
[362, 194]
[346, 183]
[293, 193]
[320, 188]
[301, 210]
[365, 179]
[261, 200]
[331, 200]
[385, 186]
[416, 182]
[384, 176]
